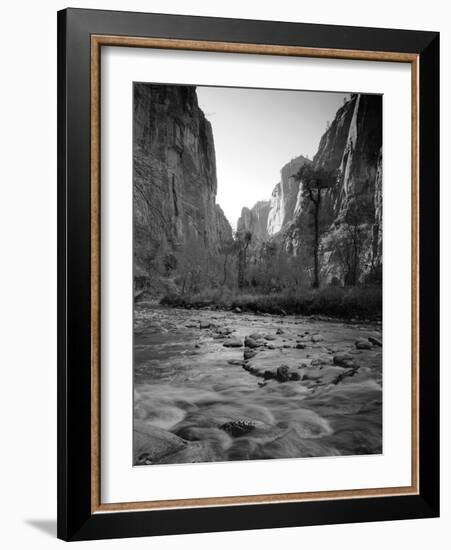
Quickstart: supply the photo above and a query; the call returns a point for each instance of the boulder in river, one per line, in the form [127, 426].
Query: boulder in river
[256, 336]
[236, 428]
[204, 324]
[251, 343]
[283, 374]
[224, 330]
[150, 443]
[317, 338]
[363, 344]
[232, 342]
[344, 360]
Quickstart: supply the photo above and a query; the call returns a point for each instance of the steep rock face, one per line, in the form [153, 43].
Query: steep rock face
[285, 196]
[223, 229]
[174, 179]
[352, 147]
[357, 195]
[255, 220]
[361, 158]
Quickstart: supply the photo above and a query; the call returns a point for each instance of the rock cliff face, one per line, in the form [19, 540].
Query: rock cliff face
[266, 218]
[358, 158]
[255, 220]
[352, 147]
[285, 196]
[174, 179]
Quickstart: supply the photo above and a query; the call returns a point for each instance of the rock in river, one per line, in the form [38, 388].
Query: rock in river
[344, 360]
[363, 344]
[256, 336]
[317, 338]
[238, 427]
[151, 443]
[251, 343]
[232, 343]
[283, 374]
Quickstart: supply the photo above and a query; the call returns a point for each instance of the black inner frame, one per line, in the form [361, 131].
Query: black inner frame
[75, 520]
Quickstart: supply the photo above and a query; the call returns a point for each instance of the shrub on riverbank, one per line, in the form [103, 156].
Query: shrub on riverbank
[333, 301]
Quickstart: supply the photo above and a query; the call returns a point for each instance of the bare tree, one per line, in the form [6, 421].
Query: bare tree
[243, 239]
[227, 250]
[315, 182]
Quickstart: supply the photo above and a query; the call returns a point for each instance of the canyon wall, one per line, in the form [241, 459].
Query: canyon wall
[174, 181]
[351, 148]
[285, 196]
[255, 220]
[267, 218]
[357, 196]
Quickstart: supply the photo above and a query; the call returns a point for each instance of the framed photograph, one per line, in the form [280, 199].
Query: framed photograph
[248, 274]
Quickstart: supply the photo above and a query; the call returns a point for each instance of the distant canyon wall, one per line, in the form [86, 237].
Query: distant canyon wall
[351, 146]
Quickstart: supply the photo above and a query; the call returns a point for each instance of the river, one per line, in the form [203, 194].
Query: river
[302, 387]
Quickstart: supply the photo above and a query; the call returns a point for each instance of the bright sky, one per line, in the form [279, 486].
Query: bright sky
[256, 132]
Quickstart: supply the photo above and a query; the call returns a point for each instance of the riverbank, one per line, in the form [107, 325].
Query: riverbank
[338, 302]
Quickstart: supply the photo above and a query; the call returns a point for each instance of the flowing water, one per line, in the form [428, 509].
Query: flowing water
[198, 400]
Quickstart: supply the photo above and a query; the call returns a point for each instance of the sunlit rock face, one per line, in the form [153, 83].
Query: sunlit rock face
[284, 198]
[359, 182]
[255, 220]
[174, 178]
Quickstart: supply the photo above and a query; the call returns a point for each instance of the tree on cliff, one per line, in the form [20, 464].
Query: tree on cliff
[243, 239]
[315, 182]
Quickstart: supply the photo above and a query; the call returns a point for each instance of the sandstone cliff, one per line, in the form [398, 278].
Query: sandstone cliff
[255, 220]
[267, 218]
[357, 196]
[174, 179]
[352, 148]
[285, 196]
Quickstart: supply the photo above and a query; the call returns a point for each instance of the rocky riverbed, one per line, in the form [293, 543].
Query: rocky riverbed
[220, 385]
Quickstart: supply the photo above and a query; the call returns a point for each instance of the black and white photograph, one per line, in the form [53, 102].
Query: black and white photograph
[257, 274]
[226, 292]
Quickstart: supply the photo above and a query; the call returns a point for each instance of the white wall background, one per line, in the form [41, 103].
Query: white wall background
[28, 272]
